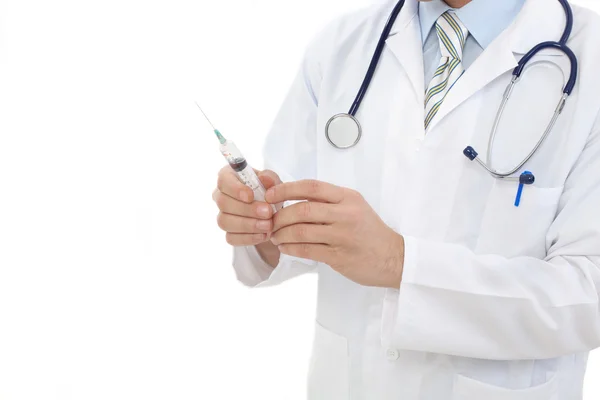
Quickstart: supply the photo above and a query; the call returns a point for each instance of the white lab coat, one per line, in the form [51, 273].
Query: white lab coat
[497, 302]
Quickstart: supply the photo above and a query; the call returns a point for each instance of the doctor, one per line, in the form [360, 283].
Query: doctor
[433, 285]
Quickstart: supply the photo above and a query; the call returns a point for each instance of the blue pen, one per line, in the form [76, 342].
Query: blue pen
[526, 178]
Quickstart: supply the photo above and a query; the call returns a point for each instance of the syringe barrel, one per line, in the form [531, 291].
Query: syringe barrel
[244, 171]
[233, 156]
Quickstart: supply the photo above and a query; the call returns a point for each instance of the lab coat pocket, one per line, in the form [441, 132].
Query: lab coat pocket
[328, 375]
[471, 389]
[512, 231]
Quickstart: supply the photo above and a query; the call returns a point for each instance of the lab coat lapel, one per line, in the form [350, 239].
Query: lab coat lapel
[407, 46]
[497, 59]
[538, 21]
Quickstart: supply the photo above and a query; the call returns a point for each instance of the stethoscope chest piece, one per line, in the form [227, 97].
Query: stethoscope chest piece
[343, 131]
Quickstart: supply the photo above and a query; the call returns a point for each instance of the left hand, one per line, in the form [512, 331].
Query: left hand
[337, 226]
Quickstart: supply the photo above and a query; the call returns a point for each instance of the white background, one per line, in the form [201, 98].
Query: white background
[115, 282]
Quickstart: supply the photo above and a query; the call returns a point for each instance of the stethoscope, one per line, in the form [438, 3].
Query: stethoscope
[344, 131]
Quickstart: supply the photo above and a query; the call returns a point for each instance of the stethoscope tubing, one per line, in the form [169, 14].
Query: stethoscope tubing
[470, 152]
[558, 46]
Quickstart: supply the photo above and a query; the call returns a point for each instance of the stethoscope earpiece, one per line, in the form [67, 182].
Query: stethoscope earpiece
[470, 153]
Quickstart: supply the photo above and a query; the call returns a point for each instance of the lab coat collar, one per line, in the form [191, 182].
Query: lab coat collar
[408, 13]
[538, 21]
[405, 42]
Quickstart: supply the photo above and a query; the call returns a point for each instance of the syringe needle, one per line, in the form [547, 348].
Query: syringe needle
[202, 111]
[216, 131]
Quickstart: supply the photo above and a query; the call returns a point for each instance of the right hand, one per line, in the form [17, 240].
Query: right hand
[246, 222]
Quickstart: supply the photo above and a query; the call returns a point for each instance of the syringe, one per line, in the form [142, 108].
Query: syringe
[239, 164]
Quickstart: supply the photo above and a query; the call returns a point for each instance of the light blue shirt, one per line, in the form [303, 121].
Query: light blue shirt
[485, 20]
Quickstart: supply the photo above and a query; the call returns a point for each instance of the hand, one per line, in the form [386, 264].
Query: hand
[246, 222]
[337, 226]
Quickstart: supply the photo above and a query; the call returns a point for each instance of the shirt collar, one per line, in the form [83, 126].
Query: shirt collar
[485, 19]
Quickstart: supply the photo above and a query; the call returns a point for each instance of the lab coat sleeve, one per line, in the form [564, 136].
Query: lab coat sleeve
[290, 151]
[453, 301]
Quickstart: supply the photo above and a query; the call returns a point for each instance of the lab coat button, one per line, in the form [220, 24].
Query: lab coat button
[392, 354]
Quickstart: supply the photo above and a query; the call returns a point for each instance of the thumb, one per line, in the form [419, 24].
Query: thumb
[269, 178]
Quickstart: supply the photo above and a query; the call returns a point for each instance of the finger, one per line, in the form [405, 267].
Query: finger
[315, 252]
[230, 205]
[304, 212]
[234, 224]
[311, 190]
[303, 233]
[269, 178]
[244, 239]
[229, 183]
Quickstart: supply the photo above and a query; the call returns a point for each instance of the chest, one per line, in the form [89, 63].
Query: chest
[422, 184]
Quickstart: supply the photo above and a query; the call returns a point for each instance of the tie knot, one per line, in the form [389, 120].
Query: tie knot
[452, 34]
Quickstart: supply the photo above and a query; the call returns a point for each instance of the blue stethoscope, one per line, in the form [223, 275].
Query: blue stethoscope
[344, 131]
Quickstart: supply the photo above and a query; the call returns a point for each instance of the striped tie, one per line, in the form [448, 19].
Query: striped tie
[452, 35]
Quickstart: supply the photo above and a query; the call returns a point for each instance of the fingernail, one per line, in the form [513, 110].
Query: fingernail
[263, 225]
[274, 241]
[263, 211]
[244, 196]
